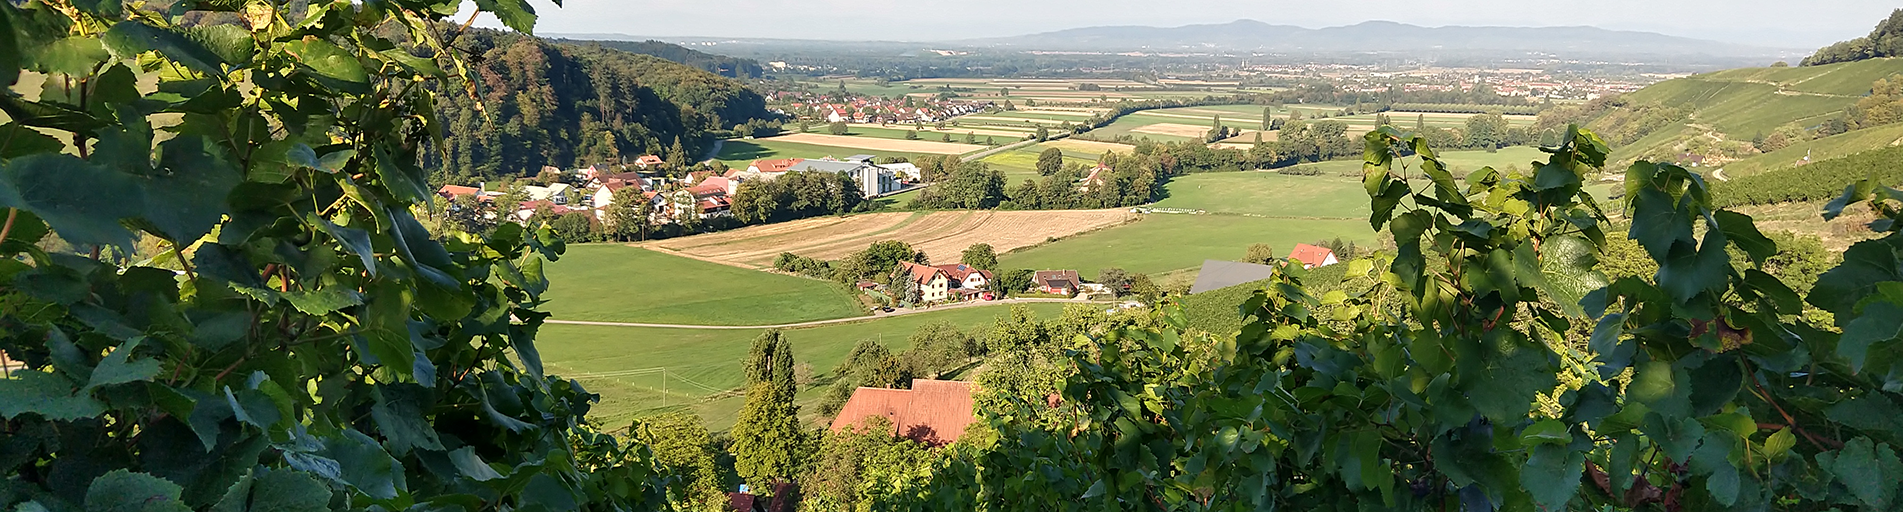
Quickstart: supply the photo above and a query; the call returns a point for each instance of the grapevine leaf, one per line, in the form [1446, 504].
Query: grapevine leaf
[1552, 474]
[331, 65]
[324, 301]
[1861, 467]
[1781, 296]
[516, 14]
[9, 50]
[231, 43]
[1864, 266]
[400, 417]
[47, 115]
[365, 466]
[1547, 431]
[80, 201]
[1779, 443]
[1658, 224]
[404, 179]
[117, 369]
[48, 395]
[76, 56]
[124, 491]
[129, 38]
[1687, 273]
[1881, 321]
[279, 490]
[17, 141]
[356, 241]
[188, 197]
[1568, 264]
[1874, 413]
[1743, 233]
[471, 465]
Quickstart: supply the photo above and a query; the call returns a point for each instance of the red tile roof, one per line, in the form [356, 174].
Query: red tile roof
[1065, 279]
[934, 412]
[649, 160]
[959, 272]
[776, 165]
[920, 273]
[452, 191]
[1309, 255]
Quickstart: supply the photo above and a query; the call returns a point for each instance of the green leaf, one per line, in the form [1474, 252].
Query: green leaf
[1853, 194]
[1881, 321]
[1862, 466]
[76, 56]
[266, 490]
[9, 49]
[1548, 431]
[401, 419]
[516, 14]
[1781, 296]
[17, 141]
[117, 368]
[80, 201]
[124, 491]
[1778, 444]
[330, 64]
[471, 465]
[1095, 490]
[1658, 224]
[48, 115]
[1743, 233]
[129, 38]
[187, 198]
[1552, 475]
[1569, 265]
[47, 395]
[1686, 273]
[365, 466]
[356, 241]
[1864, 266]
[230, 42]
[324, 301]
[404, 179]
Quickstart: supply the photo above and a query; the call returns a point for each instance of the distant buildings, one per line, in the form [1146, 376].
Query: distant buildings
[1313, 256]
[933, 412]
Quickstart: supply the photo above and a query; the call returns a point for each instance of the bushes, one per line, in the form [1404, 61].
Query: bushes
[1814, 182]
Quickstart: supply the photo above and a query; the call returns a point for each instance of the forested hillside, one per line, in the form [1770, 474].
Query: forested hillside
[732, 67]
[1885, 41]
[567, 105]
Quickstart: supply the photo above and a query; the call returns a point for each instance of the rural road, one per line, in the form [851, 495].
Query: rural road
[816, 323]
[715, 151]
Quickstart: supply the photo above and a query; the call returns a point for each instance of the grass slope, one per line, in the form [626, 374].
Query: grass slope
[703, 366]
[1835, 146]
[1162, 243]
[616, 283]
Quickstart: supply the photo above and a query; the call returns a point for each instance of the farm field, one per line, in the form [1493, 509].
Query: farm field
[1269, 194]
[1163, 243]
[1020, 164]
[928, 132]
[1458, 162]
[622, 364]
[941, 235]
[879, 144]
[618, 283]
[738, 153]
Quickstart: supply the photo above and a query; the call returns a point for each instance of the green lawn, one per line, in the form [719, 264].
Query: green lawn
[617, 283]
[1163, 243]
[1021, 164]
[1458, 162]
[738, 153]
[703, 366]
[1269, 194]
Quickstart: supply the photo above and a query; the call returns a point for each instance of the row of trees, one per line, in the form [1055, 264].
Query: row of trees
[796, 195]
[1886, 40]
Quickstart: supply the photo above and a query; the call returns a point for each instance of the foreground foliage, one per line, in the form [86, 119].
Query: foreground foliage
[300, 341]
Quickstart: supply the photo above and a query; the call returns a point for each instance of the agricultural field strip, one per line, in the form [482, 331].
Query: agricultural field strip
[1154, 113]
[928, 228]
[942, 235]
[877, 144]
[780, 234]
[829, 245]
[954, 130]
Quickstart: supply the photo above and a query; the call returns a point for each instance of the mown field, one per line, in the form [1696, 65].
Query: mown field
[1163, 242]
[1269, 194]
[623, 364]
[618, 283]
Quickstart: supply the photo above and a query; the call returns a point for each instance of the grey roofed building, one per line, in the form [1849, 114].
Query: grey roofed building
[825, 166]
[861, 158]
[1217, 275]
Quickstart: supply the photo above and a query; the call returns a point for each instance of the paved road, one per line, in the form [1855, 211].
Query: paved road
[715, 151]
[876, 316]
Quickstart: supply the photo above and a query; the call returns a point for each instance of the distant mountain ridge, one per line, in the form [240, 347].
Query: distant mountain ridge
[1373, 36]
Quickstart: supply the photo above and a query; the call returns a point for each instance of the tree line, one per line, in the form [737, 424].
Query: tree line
[1886, 40]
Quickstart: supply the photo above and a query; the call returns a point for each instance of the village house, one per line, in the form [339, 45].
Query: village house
[1056, 282]
[1096, 179]
[649, 162]
[1313, 256]
[933, 412]
[968, 282]
[934, 285]
[557, 193]
[451, 192]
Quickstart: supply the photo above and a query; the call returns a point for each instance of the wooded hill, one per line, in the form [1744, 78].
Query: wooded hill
[731, 67]
[544, 103]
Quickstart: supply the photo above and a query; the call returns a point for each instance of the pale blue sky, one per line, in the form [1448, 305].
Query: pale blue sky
[1779, 23]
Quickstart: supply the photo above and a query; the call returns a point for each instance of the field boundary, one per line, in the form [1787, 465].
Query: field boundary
[817, 323]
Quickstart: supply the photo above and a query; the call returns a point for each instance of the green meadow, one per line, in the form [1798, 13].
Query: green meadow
[703, 376]
[617, 283]
[1269, 194]
[1167, 242]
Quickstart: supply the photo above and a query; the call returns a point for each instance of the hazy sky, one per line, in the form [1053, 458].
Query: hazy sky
[1780, 23]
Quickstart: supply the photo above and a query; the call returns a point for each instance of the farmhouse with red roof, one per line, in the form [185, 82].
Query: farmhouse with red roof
[934, 412]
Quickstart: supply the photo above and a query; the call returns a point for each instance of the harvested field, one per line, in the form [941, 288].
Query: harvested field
[954, 130]
[941, 235]
[1089, 146]
[873, 144]
[1174, 130]
[1014, 119]
[1227, 116]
